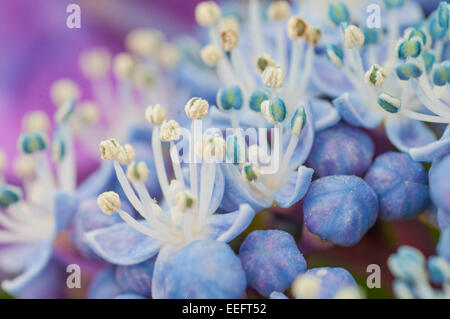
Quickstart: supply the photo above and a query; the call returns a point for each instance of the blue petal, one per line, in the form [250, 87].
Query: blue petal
[278, 295]
[36, 263]
[130, 296]
[405, 133]
[104, 285]
[443, 218]
[325, 115]
[226, 227]
[433, 150]
[120, 244]
[65, 206]
[158, 288]
[356, 112]
[295, 188]
[329, 79]
[13, 259]
[237, 192]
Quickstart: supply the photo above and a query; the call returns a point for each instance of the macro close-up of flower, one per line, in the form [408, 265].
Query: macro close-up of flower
[227, 149]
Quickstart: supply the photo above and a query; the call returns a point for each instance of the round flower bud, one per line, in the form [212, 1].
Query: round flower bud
[273, 269]
[230, 98]
[9, 195]
[251, 172]
[353, 37]
[109, 202]
[313, 35]
[229, 23]
[341, 150]
[211, 55]
[202, 274]
[389, 103]
[36, 121]
[296, 28]
[406, 193]
[170, 131]
[323, 283]
[298, 122]
[32, 143]
[62, 90]
[144, 42]
[340, 209]
[184, 200]
[126, 154]
[274, 110]
[207, 13]
[88, 113]
[156, 114]
[123, 66]
[95, 63]
[137, 172]
[273, 77]
[229, 39]
[279, 10]
[263, 61]
[25, 167]
[109, 149]
[196, 108]
[211, 147]
[375, 76]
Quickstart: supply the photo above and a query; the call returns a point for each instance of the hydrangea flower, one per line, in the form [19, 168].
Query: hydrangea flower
[186, 215]
[31, 220]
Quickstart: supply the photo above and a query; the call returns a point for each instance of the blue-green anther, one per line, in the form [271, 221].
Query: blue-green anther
[393, 3]
[443, 15]
[230, 98]
[371, 35]
[298, 121]
[58, 148]
[257, 97]
[408, 70]
[9, 195]
[409, 48]
[65, 111]
[389, 103]
[235, 150]
[274, 110]
[30, 143]
[440, 75]
[335, 55]
[428, 58]
[436, 31]
[338, 13]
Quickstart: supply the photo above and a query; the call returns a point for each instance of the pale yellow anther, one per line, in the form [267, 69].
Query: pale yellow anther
[263, 61]
[229, 39]
[144, 42]
[207, 13]
[95, 63]
[25, 167]
[184, 200]
[36, 121]
[279, 10]
[170, 131]
[211, 55]
[109, 149]
[109, 202]
[169, 55]
[137, 172]
[229, 23]
[196, 108]
[375, 76]
[155, 114]
[306, 286]
[353, 37]
[126, 154]
[62, 90]
[211, 148]
[297, 28]
[273, 77]
[88, 113]
[123, 66]
[313, 35]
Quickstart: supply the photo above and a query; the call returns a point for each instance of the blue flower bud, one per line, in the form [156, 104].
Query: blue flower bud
[393, 3]
[408, 264]
[340, 209]
[271, 260]
[298, 121]
[235, 150]
[371, 35]
[204, 269]
[443, 247]
[406, 193]
[257, 97]
[411, 69]
[335, 55]
[429, 58]
[136, 278]
[341, 150]
[230, 98]
[30, 143]
[9, 195]
[409, 48]
[274, 110]
[338, 13]
[389, 103]
[436, 31]
[440, 74]
[323, 283]
[443, 14]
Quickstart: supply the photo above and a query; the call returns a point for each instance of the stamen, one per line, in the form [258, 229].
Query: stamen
[389, 103]
[196, 108]
[124, 66]
[137, 172]
[280, 11]
[211, 55]
[335, 55]
[274, 110]
[230, 98]
[95, 63]
[144, 43]
[174, 155]
[109, 202]
[229, 23]
[256, 100]
[126, 154]
[9, 195]
[338, 13]
[36, 121]
[184, 200]
[273, 77]
[235, 149]
[229, 39]
[251, 172]
[109, 149]
[155, 115]
[353, 37]
[263, 61]
[207, 13]
[375, 76]
[32, 143]
[63, 90]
